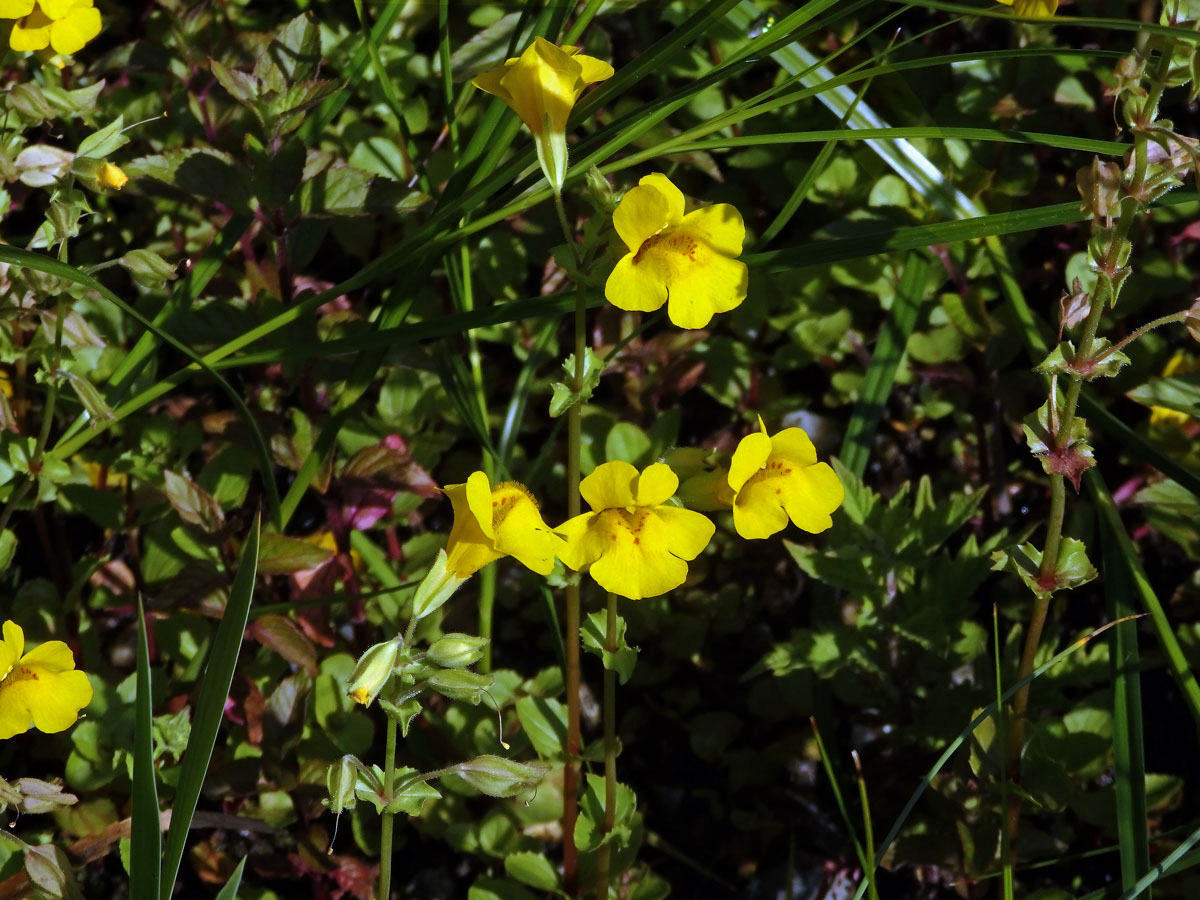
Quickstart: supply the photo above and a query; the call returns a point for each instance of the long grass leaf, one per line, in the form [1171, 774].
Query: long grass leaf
[864, 858]
[963, 735]
[1129, 754]
[230, 890]
[210, 707]
[881, 373]
[1176, 660]
[145, 849]
[1142, 884]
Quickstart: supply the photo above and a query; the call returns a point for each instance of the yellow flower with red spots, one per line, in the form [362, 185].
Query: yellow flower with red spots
[633, 543]
[40, 689]
[63, 25]
[774, 478]
[492, 522]
[687, 261]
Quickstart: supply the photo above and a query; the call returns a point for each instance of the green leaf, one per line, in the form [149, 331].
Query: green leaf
[210, 707]
[194, 504]
[589, 827]
[544, 721]
[495, 889]
[148, 268]
[1073, 567]
[623, 659]
[283, 555]
[411, 798]
[296, 50]
[564, 397]
[1071, 457]
[145, 851]
[1179, 392]
[8, 547]
[532, 869]
[1061, 361]
[101, 143]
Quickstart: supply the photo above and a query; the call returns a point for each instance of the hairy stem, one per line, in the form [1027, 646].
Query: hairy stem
[385, 836]
[604, 858]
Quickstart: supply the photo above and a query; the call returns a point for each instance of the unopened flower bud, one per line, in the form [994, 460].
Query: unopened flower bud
[456, 651]
[342, 781]
[500, 777]
[438, 585]
[373, 671]
[600, 190]
[459, 685]
[1192, 320]
[112, 177]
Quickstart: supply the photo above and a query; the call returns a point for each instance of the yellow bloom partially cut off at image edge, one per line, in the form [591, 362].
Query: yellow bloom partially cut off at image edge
[40, 689]
[631, 543]
[64, 25]
[777, 477]
[1032, 9]
[492, 522]
[541, 86]
[686, 261]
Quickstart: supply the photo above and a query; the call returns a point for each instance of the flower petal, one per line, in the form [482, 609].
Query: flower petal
[14, 641]
[634, 287]
[30, 33]
[56, 9]
[480, 502]
[636, 562]
[593, 69]
[793, 444]
[667, 188]
[51, 700]
[70, 34]
[720, 225]
[543, 84]
[53, 657]
[712, 283]
[749, 457]
[583, 543]
[643, 212]
[655, 485]
[686, 533]
[611, 484]
[15, 9]
[521, 533]
[468, 549]
[758, 511]
[490, 82]
[810, 495]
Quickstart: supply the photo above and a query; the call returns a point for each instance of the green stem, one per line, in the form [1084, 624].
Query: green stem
[385, 836]
[1149, 326]
[572, 637]
[604, 858]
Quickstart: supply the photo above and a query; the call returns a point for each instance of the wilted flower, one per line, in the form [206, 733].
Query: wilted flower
[686, 261]
[491, 522]
[541, 86]
[1032, 9]
[40, 689]
[111, 176]
[631, 542]
[374, 669]
[64, 25]
[777, 477]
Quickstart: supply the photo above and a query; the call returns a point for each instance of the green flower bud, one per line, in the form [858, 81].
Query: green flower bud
[438, 585]
[373, 671]
[458, 685]
[342, 780]
[500, 777]
[456, 651]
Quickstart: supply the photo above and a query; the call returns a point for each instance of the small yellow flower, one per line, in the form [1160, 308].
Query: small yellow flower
[686, 261]
[774, 478]
[65, 25]
[111, 176]
[40, 689]
[631, 543]
[491, 522]
[1032, 9]
[541, 86]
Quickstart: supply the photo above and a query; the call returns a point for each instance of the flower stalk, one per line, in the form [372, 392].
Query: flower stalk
[604, 858]
[388, 822]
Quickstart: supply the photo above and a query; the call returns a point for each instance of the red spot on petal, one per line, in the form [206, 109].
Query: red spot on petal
[637, 540]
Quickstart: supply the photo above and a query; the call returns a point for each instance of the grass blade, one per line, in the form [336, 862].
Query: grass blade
[864, 858]
[963, 735]
[1162, 868]
[145, 850]
[210, 706]
[881, 373]
[1128, 750]
[229, 891]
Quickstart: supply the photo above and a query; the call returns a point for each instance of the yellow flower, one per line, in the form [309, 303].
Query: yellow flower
[1179, 364]
[111, 176]
[65, 25]
[688, 262]
[40, 689]
[1032, 9]
[491, 522]
[631, 543]
[774, 478]
[541, 86]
